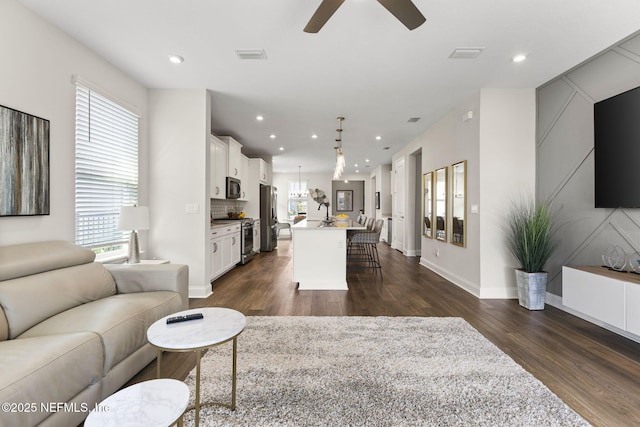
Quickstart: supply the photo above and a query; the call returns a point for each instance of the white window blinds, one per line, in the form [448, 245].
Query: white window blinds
[106, 175]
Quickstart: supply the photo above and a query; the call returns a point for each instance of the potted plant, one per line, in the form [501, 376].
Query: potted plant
[530, 240]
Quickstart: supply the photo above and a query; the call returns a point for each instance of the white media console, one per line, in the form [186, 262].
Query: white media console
[608, 298]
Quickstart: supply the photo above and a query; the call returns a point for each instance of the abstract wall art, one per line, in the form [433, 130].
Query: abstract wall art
[24, 164]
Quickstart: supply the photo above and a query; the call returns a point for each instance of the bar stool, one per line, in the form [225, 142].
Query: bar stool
[363, 248]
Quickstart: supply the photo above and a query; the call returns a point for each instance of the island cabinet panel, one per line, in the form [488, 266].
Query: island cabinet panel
[319, 258]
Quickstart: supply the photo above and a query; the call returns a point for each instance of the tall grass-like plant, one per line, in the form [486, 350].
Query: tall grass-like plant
[530, 234]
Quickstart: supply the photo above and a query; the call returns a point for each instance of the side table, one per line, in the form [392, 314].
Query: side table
[149, 403]
[218, 326]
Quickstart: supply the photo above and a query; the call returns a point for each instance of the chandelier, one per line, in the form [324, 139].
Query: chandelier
[340, 163]
[301, 192]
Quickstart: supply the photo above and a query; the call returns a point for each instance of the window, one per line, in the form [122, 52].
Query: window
[106, 176]
[298, 194]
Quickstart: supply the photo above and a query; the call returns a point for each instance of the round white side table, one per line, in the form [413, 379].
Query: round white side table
[218, 326]
[157, 403]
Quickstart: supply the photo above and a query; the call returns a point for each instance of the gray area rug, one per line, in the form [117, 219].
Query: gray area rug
[372, 371]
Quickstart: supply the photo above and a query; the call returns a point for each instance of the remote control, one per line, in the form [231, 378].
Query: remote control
[184, 318]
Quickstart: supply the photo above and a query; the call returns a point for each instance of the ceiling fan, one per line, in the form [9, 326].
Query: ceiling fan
[404, 10]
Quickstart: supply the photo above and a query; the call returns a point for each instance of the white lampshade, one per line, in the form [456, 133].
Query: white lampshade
[133, 218]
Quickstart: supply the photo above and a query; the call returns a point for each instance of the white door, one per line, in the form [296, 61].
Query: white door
[398, 205]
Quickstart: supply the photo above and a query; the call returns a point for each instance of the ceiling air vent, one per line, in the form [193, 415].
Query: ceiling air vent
[251, 54]
[466, 52]
[413, 119]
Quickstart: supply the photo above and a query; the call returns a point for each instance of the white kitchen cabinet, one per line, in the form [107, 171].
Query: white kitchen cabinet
[216, 258]
[234, 154]
[224, 248]
[261, 167]
[244, 177]
[256, 236]
[236, 255]
[218, 176]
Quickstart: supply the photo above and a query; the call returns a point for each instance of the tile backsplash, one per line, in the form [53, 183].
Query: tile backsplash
[220, 208]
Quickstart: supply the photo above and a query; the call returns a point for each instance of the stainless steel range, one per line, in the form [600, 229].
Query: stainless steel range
[246, 247]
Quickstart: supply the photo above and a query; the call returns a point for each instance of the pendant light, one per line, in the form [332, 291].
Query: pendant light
[340, 162]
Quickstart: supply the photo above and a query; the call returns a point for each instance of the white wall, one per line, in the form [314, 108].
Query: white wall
[35, 77]
[179, 175]
[507, 172]
[498, 144]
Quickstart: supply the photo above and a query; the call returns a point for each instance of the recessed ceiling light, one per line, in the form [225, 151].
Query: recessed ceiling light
[355, 166]
[366, 160]
[259, 118]
[378, 138]
[281, 148]
[272, 136]
[357, 171]
[314, 136]
[176, 59]
[519, 58]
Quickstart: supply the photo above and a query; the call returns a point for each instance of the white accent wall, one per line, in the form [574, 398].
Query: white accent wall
[35, 77]
[179, 168]
[499, 147]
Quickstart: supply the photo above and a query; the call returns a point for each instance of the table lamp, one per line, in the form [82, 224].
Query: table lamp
[133, 218]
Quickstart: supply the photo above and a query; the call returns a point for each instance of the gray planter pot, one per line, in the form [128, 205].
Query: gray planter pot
[532, 288]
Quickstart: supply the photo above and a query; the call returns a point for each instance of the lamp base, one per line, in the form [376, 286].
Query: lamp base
[134, 248]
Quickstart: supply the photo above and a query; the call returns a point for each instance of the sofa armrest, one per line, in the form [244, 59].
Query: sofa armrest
[148, 277]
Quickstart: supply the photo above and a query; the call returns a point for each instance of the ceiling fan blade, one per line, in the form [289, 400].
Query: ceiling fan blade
[405, 11]
[322, 15]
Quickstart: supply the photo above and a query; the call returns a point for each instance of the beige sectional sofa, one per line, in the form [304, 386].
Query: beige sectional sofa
[73, 331]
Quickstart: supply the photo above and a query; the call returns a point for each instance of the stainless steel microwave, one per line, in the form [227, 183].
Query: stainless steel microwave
[233, 188]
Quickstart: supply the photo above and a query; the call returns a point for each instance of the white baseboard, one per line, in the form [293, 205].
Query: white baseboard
[472, 288]
[200, 291]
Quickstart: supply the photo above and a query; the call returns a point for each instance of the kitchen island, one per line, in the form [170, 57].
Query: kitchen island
[320, 254]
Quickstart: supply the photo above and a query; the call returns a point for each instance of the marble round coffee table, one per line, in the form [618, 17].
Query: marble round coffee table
[218, 326]
[149, 403]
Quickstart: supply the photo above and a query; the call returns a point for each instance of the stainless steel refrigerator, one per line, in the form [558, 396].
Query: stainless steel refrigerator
[268, 218]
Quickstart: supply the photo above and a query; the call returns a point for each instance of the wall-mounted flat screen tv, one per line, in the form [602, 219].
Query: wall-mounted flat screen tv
[24, 164]
[617, 151]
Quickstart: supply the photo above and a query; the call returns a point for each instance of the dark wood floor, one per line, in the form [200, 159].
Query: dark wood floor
[594, 371]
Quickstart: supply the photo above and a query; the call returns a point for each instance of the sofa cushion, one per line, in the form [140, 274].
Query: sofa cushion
[120, 320]
[29, 300]
[32, 258]
[46, 369]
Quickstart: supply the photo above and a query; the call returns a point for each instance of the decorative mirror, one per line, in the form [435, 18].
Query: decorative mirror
[441, 204]
[427, 204]
[459, 203]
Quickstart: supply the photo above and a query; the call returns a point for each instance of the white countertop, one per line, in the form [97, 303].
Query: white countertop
[345, 224]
